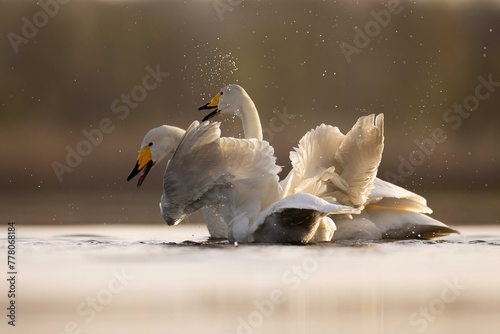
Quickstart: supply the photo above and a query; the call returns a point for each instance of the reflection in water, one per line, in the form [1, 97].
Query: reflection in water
[155, 278]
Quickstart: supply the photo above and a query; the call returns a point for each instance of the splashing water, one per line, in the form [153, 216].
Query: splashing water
[215, 68]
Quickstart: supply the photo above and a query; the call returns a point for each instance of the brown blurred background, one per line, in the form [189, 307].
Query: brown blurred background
[286, 54]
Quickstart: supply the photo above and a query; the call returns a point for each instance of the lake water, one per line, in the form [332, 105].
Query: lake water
[159, 279]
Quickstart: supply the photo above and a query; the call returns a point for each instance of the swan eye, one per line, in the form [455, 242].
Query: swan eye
[221, 93]
[150, 143]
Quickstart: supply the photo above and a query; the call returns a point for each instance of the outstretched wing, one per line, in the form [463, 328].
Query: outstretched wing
[194, 171]
[239, 174]
[314, 155]
[336, 166]
[358, 158]
[316, 151]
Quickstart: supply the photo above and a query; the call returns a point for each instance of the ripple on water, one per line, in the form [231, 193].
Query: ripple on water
[82, 240]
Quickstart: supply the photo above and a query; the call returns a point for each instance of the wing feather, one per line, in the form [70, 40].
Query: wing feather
[388, 190]
[316, 151]
[239, 174]
[358, 158]
[195, 170]
[335, 166]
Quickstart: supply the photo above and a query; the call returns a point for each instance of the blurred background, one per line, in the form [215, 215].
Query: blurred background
[65, 67]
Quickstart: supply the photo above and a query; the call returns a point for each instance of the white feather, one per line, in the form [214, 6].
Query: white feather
[341, 168]
[239, 176]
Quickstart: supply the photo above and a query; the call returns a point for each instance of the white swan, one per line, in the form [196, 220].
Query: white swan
[240, 177]
[342, 167]
[159, 144]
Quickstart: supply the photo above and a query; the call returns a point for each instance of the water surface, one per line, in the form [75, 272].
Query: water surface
[155, 278]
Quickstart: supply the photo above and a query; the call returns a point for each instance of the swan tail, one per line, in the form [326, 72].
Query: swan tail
[381, 223]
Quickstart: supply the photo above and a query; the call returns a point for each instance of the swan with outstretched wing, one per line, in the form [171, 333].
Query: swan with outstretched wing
[341, 167]
[240, 178]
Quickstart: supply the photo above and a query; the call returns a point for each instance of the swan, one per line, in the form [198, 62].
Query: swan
[240, 177]
[325, 164]
[159, 144]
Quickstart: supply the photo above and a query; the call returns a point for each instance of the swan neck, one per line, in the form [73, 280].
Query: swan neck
[251, 120]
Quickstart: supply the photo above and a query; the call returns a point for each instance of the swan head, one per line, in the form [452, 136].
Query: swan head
[228, 101]
[158, 144]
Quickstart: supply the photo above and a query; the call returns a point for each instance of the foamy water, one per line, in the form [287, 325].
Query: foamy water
[155, 278]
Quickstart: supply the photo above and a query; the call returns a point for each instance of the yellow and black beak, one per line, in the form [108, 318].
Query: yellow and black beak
[211, 105]
[143, 165]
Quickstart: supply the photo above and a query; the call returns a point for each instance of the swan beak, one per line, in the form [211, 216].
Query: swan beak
[211, 105]
[211, 115]
[143, 165]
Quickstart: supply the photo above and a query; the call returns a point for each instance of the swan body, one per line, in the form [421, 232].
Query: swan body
[240, 178]
[343, 168]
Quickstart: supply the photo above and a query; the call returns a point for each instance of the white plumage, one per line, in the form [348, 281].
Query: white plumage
[235, 181]
[240, 178]
[343, 168]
